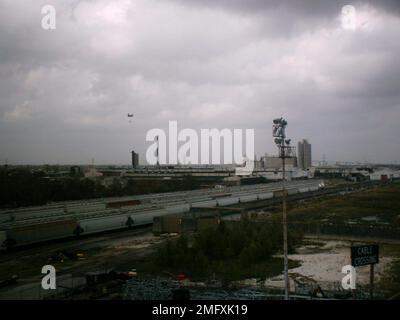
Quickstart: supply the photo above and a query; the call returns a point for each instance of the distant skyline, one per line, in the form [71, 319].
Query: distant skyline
[65, 94]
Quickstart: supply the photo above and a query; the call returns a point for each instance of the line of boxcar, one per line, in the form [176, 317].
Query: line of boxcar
[38, 225]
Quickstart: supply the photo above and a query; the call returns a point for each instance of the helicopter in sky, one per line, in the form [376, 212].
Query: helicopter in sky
[130, 115]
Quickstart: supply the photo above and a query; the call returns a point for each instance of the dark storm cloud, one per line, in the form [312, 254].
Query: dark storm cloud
[303, 8]
[65, 94]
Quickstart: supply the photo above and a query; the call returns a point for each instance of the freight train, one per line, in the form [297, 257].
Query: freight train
[26, 234]
[27, 226]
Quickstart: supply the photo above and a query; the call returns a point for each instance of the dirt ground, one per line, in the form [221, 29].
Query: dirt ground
[119, 251]
[321, 260]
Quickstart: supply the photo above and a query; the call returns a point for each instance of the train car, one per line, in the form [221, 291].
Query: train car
[292, 191]
[3, 238]
[124, 203]
[104, 223]
[20, 235]
[146, 217]
[5, 217]
[227, 201]
[86, 209]
[205, 204]
[181, 208]
[249, 198]
[33, 213]
[221, 195]
[266, 195]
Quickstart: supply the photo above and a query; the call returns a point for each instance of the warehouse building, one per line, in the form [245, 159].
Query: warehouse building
[183, 223]
[274, 162]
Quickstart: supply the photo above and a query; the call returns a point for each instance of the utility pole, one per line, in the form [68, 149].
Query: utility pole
[371, 279]
[284, 222]
[285, 151]
[158, 157]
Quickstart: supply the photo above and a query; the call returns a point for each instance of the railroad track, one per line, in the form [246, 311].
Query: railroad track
[85, 242]
[38, 224]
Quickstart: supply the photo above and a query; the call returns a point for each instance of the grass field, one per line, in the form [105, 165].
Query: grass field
[225, 270]
[382, 202]
[390, 281]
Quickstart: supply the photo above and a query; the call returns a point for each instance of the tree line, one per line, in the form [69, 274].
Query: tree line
[24, 187]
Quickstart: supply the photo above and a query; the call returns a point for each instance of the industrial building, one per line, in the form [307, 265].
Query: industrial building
[135, 159]
[192, 221]
[304, 154]
[384, 174]
[92, 173]
[196, 219]
[274, 162]
[290, 173]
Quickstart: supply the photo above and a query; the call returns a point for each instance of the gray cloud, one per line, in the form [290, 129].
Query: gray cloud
[301, 7]
[64, 94]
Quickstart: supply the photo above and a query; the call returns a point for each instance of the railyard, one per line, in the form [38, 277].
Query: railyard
[30, 225]
[125, 249]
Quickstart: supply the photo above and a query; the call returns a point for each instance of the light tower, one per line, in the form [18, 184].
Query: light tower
[285, 151]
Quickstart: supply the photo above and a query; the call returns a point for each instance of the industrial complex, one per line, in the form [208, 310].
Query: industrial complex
[201, 198]
[120, 205]
[227, 152]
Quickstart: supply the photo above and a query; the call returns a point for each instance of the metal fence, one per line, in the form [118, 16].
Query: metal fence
[162, 289]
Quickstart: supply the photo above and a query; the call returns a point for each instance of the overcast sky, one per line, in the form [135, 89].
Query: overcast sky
[65, 93]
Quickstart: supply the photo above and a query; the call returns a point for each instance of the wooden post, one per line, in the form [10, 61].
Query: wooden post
[371, 285]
